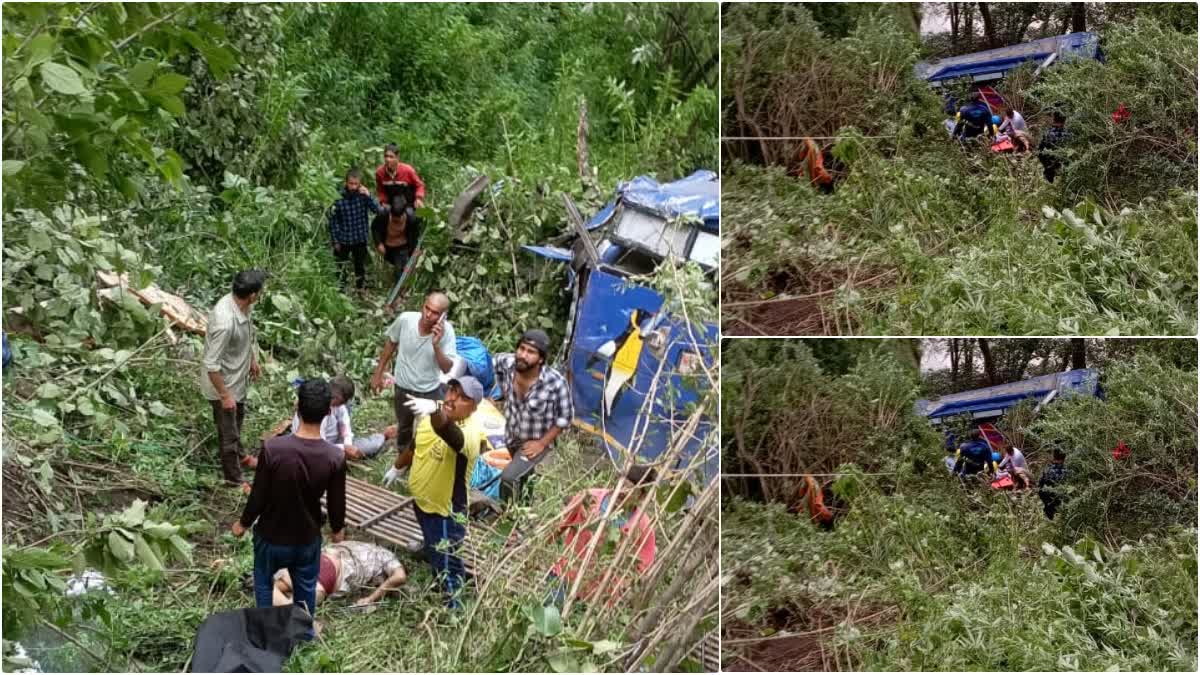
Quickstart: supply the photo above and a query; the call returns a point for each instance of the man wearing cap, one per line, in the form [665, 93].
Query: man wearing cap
[442, 455]
[537, 407]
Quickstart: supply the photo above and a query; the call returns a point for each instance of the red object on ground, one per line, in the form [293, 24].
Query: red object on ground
[585, 506]
[1002, 483]
[1003, 146]
[810, 493]
[1121, 114]
[810, 163]
[1121, 451]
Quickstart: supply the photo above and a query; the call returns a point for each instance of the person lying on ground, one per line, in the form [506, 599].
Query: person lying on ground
[423, 346]
[1052, 477]
[394, 177]
[442, 457]
[578, 525]
[974, 456]
[348, 567]
[974, 119]
[230, 361]
[537, 407]
[294, 473]
[1014, 463]
[348, 228]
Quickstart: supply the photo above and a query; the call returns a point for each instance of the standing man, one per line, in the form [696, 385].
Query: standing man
[1050, 483]
[285, 505]
[537, 407]
[443, 456]
[348, 227]
[230, 362]
[394, 177]
[423, 344]
[1054, 139]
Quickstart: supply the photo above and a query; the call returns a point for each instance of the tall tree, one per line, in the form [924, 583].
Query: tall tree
[989, 26]
[989, 366]
[1078, 350]
[1078, 17]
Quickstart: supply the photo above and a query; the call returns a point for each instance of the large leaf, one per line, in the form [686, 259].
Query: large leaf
[160, 530]
[547, 620]
[62, 79]
[135, 515]
[180, 547]
[44, 418]
[41, 48]
[139, 75]
[167, 84]
[121, 548]
[146, 553]
[12, 167]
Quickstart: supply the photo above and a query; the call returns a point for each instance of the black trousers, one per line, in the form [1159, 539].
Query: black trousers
[515, 475]
[343, 253]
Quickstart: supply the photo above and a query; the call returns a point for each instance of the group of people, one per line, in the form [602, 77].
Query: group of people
[388, 218]
[975, 456]
[437, 441]
[975, 119]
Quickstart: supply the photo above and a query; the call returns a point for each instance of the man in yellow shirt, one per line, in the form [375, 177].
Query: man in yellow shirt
[442, 455]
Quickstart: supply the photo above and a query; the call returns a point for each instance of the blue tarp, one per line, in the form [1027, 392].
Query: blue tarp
[478, 359]
[698, 195]
[992, 64]
[604, 314]
[992, 402]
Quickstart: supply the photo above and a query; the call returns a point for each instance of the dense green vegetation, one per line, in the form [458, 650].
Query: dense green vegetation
[920, 572]
[920, 236]
[182, 143]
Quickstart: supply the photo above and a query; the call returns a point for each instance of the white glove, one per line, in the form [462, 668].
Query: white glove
[607, 349]
[391, 476]
[421, 406]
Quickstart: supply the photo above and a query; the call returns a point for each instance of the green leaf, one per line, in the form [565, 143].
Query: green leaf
[12, 167]
[481, 270]
[168, 84]
[158, 409]
[135, 515]
[139, 75]
[547, 620]
[678, 497]
[147, 554]
[41, 48]
[563, 662]
[62, 79]
[160, 530]
[282, 303]
[180, 546]
[604, 647]
[39, 240]
[94, 160]
[173, 105]
[44, 418]
[49, 390]
[122, 549]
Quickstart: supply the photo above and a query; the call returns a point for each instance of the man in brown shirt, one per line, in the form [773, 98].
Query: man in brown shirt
[396, 233]
[294, 471]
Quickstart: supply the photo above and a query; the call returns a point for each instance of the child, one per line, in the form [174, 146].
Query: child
[335, 428]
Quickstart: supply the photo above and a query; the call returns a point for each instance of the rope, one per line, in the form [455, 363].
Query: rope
[797, 138]
[801, 475]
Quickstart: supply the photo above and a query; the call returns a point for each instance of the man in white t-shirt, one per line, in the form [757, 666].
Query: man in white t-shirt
[423, 345]
[1014, 126]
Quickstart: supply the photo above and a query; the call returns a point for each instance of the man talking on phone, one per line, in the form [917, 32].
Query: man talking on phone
[423, 346]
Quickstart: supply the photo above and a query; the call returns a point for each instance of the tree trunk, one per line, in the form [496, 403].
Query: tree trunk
[955, 20]
[953, 347]
[1078, 353]
[989, 27]
[1078, 17]
[989, 367]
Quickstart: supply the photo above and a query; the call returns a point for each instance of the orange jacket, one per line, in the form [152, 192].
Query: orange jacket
[810, 157]
[810, 492]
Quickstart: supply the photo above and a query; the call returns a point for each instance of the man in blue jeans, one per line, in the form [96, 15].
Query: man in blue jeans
[444, 449]
[294, 471]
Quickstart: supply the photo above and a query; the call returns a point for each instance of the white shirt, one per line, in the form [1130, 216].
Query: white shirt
[1015, 123]
[331, 426]
[1015, 461]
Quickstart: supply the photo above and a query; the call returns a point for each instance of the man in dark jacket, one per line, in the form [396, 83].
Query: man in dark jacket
[294, 472]
[348, 226]
[974, 456]
[1054, 139]
[1052, 477]
[973, 119]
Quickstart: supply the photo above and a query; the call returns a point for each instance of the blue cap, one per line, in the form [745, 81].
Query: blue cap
[471, 388]
[995, 119]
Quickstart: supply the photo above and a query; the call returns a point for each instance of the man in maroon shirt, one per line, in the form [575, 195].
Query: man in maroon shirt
[294, 471]
[394, 178]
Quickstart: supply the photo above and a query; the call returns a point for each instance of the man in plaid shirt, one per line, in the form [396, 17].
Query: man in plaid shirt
[349, 224]
[537, 407]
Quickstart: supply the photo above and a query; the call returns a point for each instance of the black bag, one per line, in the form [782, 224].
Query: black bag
[255, 640]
